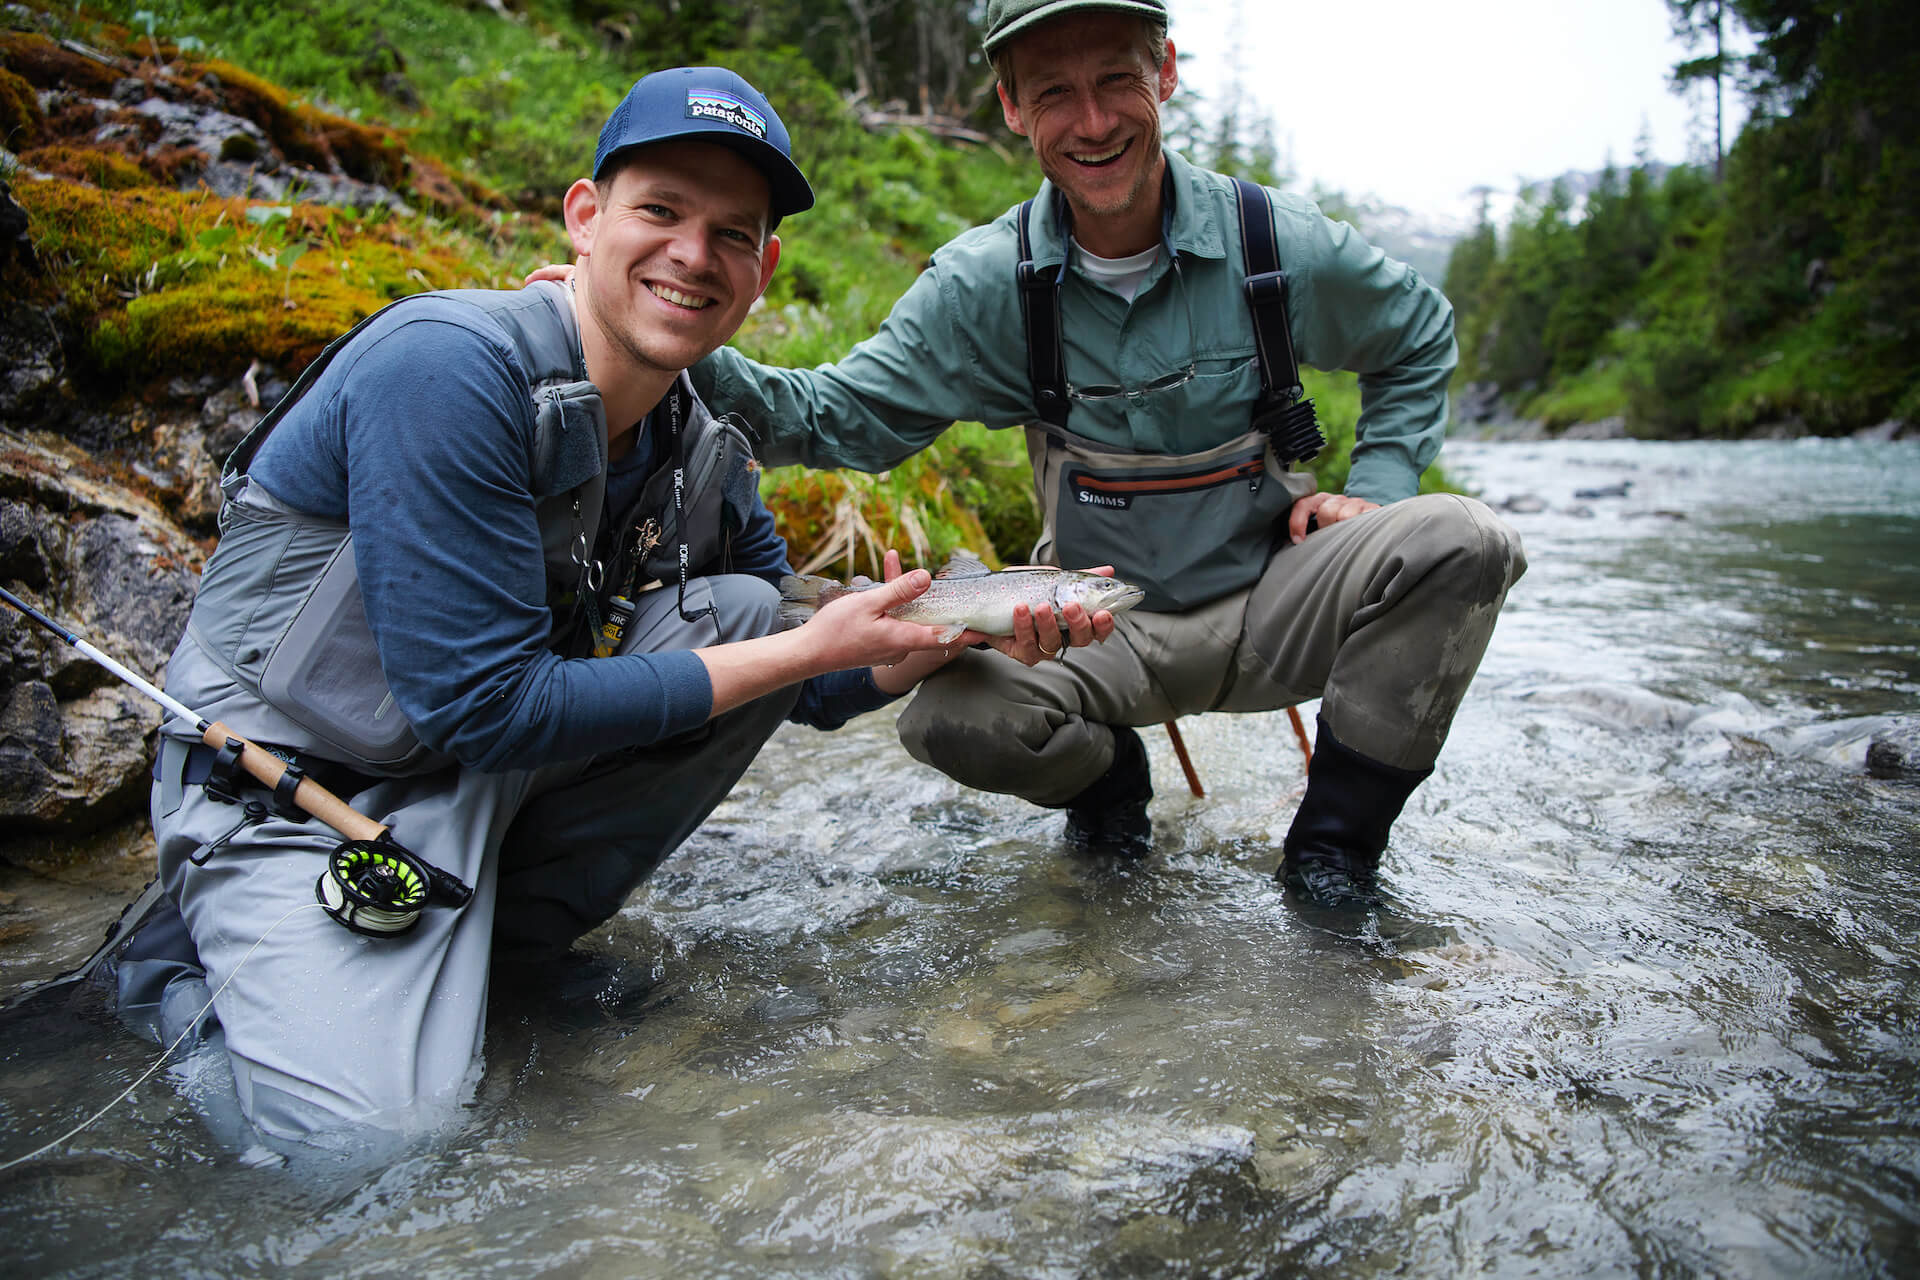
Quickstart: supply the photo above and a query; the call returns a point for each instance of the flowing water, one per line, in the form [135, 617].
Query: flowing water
[1643, 1002]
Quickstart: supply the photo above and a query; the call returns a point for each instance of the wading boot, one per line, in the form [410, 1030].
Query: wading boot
[1110, 816]
[1332, 852]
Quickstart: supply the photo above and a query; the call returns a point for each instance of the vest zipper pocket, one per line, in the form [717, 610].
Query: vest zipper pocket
[1118, 493]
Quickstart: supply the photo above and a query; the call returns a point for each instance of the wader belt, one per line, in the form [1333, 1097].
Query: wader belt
[218, 771]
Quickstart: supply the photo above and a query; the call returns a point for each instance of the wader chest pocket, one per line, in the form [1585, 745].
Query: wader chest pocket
[325, 674]
[1187, 529]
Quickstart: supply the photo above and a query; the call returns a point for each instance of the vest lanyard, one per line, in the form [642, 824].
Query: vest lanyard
[677, 405]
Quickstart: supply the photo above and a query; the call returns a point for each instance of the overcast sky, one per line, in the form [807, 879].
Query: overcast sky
[1417, 101]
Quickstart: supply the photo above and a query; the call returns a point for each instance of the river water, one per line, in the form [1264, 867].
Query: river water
[1643, 1001]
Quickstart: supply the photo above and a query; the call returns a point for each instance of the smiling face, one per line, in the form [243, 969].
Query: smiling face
[1088, 98]
[672, 248]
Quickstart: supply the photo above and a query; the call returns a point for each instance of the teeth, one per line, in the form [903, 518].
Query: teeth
[677, 298]
[1101, 159]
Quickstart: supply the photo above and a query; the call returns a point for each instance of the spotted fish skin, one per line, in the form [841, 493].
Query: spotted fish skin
[967, 595]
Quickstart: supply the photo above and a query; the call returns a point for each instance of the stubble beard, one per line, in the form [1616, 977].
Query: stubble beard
[621, 336]
[1123, 201]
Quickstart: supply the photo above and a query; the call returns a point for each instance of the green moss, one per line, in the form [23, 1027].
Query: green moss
[20, 117]
[108, 170]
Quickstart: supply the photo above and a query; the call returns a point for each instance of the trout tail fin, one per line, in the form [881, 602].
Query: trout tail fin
[801, 595]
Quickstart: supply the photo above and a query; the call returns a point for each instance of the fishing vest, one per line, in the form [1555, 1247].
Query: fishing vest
[1186, 528]
[279, 608]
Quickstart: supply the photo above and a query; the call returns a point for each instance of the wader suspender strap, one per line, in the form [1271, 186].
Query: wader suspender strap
[1040, 309]
[1279, 411]
[1266, 290]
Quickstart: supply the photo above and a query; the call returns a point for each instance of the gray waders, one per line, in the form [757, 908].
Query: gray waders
[325, 1027]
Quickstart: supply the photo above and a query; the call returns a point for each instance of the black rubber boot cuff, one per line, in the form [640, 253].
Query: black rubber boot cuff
[1110, 816]
[1332, 851]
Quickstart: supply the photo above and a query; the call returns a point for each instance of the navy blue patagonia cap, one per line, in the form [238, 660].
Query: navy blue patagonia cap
[710, 104]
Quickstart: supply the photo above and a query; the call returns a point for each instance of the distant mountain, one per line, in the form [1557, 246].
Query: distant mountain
[1425, 239]
[1580, 184]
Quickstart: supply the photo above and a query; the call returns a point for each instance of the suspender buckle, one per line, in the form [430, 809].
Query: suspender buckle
[1291, 428]
[1266, 287]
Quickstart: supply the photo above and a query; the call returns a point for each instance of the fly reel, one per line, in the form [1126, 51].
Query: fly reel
[379, 889]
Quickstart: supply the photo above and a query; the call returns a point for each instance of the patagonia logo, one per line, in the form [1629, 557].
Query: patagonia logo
[716, 104]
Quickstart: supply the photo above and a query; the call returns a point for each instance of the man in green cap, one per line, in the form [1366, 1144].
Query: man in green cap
[1161, 420]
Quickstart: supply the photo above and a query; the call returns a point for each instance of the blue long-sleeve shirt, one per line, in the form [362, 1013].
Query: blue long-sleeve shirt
[420, 437]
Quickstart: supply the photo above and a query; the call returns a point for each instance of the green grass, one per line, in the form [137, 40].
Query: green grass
[1597, 392]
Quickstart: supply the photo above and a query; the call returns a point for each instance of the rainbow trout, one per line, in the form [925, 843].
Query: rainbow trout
[965, 593]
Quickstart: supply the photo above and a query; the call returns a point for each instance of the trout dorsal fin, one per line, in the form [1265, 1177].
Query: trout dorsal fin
[963, 564]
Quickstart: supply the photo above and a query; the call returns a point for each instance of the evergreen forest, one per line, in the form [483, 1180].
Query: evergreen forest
[1775, 288]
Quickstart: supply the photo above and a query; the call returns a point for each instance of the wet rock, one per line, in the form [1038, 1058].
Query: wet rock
[786, 1006]
[227, 416]
[202, 129]
[1839, 744]
[32, 373]
[1894, 752]
[1621, 707]
[184, 469]
[1522, 504]
[103, 559]
[234, 175]
[1891, 429]
[22, 558]
[29, 727]
[89, 768]
[1477, 402]
[1614, 428]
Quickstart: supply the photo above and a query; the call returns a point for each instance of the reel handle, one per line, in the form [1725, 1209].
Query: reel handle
[312, 798]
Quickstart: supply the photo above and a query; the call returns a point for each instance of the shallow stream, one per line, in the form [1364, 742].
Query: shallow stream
[1645, 1002]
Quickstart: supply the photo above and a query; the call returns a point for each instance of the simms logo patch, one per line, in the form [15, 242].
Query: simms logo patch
[716, 104]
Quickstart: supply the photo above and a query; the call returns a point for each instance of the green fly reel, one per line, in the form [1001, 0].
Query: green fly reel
[377, 888]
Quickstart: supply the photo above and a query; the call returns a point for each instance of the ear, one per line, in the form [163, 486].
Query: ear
[1011, 113]
[1169, 74]
[582, 208]
[769, 259]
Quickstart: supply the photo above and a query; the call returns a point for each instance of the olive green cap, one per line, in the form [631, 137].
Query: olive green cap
[1008, 18]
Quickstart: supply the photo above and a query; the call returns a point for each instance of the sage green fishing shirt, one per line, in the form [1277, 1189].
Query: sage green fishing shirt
[954, 347]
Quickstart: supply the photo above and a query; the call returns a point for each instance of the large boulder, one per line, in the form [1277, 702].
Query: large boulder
[91, 550]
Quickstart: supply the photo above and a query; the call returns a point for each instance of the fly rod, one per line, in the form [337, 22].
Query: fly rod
[372, 884]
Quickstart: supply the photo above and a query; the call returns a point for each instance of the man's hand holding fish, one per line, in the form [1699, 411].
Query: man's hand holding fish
[1080, 625]
[1016, 611]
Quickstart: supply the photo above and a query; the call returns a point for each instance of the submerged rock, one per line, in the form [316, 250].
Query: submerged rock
[1894, 752]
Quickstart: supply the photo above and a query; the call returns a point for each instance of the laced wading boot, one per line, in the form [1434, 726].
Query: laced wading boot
[1332, 852]
[1110, 816]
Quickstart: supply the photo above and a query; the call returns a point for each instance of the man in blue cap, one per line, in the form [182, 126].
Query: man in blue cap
[1161, 420]
[492, 573]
